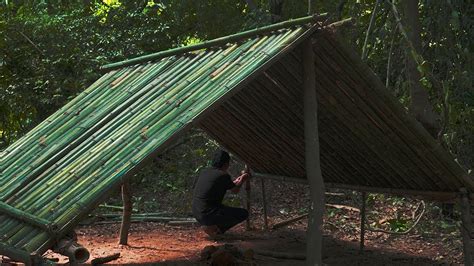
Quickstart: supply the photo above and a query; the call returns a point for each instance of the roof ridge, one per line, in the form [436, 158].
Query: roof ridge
[215, 42]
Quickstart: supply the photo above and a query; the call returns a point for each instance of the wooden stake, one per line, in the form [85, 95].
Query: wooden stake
[127, 213]
[362, 223]
[466, 226]
[312, 162]
[247, 198]
[265, 216]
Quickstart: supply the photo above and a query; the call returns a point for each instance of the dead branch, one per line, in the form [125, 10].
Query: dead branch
[378, 230]
[281, 255]
[102, 260]
[289, 221]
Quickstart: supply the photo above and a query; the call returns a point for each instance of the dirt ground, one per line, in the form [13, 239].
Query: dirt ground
[160, 244]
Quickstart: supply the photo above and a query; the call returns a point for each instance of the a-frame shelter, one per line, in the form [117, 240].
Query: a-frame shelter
[261, 94]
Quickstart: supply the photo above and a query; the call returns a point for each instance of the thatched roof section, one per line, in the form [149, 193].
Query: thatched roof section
[366, 138]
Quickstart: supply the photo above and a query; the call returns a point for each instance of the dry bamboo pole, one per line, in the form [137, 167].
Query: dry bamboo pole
[359, 130]
[380, 124]
[127, 212]
[269, 116]
[323, 86]
[322, 134]
[217, 42]
[398, 114]
[324, 104]
[255, 119]
[332, 99]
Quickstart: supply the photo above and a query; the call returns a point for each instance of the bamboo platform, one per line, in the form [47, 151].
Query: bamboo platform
[245, 90]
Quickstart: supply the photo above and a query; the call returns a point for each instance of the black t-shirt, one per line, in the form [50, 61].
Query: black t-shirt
[209, 190]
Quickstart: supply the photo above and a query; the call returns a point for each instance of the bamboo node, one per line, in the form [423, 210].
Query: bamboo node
[42, 141]
[143, 133]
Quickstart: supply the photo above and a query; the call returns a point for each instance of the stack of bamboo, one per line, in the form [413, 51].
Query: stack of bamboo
[65, 166]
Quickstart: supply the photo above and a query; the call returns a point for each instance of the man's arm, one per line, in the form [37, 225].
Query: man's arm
[238, 182]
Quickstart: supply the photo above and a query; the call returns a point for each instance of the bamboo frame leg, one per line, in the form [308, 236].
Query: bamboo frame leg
[362, 223]
[466, 227]
[264, 200]
[312, 163]
[127, 213]
[247, 201]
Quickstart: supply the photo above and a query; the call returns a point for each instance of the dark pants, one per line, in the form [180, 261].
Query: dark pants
[224, 217]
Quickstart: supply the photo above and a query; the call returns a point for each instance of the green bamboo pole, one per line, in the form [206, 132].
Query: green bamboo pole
[43, 124]
[179, 123]
[217, 42]
[101, 147]
[111, 115]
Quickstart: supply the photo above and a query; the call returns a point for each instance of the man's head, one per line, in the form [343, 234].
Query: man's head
[221, 160]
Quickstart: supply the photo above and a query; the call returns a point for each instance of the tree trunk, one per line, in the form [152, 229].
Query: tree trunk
[312, 164]
[420, 105]
[276, 10]
[127, 213]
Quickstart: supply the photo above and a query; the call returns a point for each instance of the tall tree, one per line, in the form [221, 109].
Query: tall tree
[420, 105]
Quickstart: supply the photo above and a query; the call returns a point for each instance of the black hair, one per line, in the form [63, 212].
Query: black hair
[221, 158]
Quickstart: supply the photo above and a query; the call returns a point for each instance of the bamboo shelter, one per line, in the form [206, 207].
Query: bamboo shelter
[246, 90]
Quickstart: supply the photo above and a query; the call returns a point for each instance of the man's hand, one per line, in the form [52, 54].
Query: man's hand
[239, 181]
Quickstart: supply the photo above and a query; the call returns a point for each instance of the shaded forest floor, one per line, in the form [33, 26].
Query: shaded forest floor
[154, 243]
[434, 241]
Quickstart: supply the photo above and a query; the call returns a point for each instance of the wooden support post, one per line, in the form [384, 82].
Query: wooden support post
[466, 227]
[247, 199]
[362, 223]
[127, 213]
[264, 199]
[312, 162]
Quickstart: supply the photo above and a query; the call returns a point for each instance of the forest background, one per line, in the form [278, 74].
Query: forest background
[51, 50]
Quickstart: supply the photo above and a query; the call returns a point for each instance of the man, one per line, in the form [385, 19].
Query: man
[209, 190]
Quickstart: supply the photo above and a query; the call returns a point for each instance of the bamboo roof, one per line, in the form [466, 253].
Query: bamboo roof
[245, 91]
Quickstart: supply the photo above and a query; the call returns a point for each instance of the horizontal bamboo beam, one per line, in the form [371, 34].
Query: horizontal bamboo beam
[15, 254]
[26, 217]
[432, 195]
[281, 178]
[215, 42]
